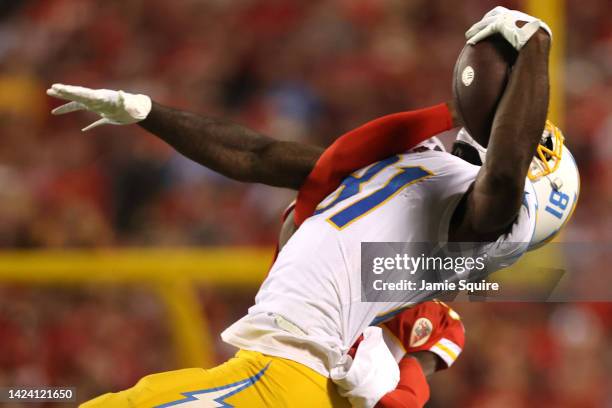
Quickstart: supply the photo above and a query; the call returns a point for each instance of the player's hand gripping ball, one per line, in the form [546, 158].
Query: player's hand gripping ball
[505, 22]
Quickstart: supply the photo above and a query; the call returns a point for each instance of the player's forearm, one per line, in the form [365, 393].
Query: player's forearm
[232, 150]
[521, 115]
[517, 129]
[412, 391]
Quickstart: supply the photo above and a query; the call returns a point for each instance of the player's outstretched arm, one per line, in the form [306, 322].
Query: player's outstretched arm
[492, 203]
[244, 154]
[228, 148]
[233, 150]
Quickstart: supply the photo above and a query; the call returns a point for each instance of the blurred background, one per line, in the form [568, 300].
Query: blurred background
[299, 70]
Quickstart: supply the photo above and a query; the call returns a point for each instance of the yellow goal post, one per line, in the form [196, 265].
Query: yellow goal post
[172, 274]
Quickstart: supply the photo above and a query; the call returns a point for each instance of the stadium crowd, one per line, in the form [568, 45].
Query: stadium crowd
[300, 70]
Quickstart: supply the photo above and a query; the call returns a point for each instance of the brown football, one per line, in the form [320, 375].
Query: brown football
[479, 79]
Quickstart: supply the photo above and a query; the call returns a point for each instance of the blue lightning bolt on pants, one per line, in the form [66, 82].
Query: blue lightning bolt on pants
[249, 380]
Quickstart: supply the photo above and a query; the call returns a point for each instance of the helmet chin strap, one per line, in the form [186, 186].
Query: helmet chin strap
[464, 136]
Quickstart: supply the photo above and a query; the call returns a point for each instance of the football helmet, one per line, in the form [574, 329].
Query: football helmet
[555, 178]
[556, 181]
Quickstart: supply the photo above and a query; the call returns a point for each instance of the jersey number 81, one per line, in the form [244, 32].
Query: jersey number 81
[352, 185]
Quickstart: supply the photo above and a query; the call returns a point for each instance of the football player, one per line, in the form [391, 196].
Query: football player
[422, 339]
[307, 313]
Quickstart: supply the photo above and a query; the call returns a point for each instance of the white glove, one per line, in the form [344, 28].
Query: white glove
[373, 372]
[115, 107]
[503, 21]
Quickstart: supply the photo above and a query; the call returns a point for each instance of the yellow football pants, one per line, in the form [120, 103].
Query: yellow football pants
[249, 380]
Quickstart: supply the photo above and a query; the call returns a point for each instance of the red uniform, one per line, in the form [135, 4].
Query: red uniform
[429, 326]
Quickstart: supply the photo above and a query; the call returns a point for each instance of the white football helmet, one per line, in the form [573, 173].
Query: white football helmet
[555, 179]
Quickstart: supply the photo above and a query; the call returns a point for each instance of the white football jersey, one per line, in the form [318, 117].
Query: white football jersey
[309, 308]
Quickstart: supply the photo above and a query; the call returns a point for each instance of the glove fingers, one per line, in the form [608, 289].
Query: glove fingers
[479, 26]
[481, 35]
[54, 93]
[487, 19]
[73, 93]
[99, 122]
[474, 29]
[68, 107]
[497, 10]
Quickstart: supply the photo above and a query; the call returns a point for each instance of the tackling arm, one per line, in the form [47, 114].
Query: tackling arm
[493, 201]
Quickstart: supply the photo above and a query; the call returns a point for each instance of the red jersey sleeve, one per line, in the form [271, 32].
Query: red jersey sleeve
[429, 326]
[412, 391]
[372, 142]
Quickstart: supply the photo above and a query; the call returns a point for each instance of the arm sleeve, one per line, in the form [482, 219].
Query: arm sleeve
[412, 391]
[374, 141]
[429, 326]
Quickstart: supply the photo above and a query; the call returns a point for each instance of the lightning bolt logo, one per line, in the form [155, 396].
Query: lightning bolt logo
[214, 397]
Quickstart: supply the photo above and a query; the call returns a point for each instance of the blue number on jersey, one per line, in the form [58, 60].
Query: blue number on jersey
[352, 185]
